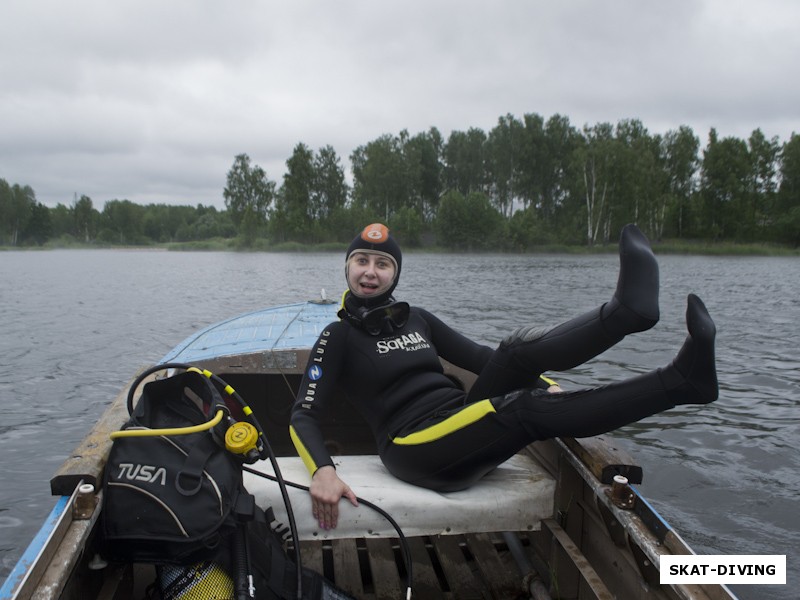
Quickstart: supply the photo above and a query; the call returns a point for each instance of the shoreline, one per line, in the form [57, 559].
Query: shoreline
[675, 247]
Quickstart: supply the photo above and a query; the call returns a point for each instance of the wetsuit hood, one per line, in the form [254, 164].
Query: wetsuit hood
[375, 239]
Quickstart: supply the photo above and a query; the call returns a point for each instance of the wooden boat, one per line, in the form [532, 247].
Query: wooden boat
[550, 523]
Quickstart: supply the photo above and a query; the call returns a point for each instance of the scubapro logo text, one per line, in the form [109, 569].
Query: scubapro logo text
[407, 343]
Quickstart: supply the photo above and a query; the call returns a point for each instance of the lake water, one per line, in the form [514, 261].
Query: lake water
[75, 325]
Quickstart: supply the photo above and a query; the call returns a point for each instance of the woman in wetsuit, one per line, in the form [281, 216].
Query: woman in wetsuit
[385, 356]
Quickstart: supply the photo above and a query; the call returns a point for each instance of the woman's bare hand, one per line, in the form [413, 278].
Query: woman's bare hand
[326, 490]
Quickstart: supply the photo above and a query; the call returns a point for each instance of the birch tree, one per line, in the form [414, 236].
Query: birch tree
[594, 162]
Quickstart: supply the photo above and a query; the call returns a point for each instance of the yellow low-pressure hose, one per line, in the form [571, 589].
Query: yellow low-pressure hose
[170, 431]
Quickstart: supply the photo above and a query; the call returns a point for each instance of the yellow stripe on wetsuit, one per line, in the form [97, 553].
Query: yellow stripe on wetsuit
[463, 418]
[303, 451]
[548, 381]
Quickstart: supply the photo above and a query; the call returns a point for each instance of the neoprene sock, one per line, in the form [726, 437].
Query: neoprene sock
[530, 351]
[634, 306]
[692, 376]
[690, 379]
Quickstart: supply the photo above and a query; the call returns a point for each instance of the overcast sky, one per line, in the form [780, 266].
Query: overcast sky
[151, 100]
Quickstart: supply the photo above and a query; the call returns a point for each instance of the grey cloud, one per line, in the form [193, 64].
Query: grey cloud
[151, 101]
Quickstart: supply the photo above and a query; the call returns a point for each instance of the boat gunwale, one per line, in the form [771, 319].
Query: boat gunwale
[633, 525]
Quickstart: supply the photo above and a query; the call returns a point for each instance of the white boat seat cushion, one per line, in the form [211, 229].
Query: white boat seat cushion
[514, 497]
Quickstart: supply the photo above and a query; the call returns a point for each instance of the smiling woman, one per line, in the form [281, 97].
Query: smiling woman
[373, 265]
[371, 273]
[429, 430]
[372, 270]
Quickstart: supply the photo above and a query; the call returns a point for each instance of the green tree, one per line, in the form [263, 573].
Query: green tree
[329, 189]
[161, 222]
[39, 227]
[593, 165]
[468, 223]
[529, 164]
[561, 140]
[250, 226]
[122, 222]
[503, 162]
[294, 210]
[407, 225]
[764, 155]
[208, 223]
[379, 182]
[63, 221]
[465, 167]
[86, 218]
[787, 221]
[17, 203]
[532, 162]
[248, 191]
[725, 181]
[155, 225]
[526, 229]
[639, 180]
[5, 211]
[679, 149]
[423, 168]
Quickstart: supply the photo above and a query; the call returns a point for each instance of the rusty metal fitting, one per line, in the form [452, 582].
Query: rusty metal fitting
[85, 502]
[621, 493]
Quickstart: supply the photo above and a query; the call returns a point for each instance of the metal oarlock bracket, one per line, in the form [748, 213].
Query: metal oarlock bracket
[621, 493]
[84, 502]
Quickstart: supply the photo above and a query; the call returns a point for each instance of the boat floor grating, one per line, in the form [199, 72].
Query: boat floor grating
[470, 566]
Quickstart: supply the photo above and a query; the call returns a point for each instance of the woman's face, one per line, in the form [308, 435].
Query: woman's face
[369, 274]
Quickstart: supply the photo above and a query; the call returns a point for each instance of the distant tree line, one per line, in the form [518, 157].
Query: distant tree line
[528, 182]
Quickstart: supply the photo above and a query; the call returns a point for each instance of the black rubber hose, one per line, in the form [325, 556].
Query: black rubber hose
[241, 571]
[400, 535]
[267, 452]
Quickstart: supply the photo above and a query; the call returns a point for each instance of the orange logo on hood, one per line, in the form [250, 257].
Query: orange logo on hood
[377, 233]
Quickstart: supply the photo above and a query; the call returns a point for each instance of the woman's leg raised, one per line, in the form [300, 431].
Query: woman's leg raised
[461, 458]
[691, 378]
[530, 351]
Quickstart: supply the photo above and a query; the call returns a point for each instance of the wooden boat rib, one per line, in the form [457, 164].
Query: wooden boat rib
[550, 523]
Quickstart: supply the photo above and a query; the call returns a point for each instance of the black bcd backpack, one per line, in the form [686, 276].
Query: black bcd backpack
[179, 499]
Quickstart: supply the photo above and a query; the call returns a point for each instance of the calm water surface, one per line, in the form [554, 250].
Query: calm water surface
[75, 325]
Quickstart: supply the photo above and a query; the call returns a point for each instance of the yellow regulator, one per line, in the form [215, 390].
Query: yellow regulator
[241, 438]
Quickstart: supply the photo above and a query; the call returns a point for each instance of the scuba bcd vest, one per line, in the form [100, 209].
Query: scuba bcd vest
[177, 499]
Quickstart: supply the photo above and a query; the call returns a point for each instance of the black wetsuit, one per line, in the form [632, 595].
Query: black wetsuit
[431, 433]
[428, 431]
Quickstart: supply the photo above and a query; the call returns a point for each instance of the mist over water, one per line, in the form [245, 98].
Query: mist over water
[75, 325]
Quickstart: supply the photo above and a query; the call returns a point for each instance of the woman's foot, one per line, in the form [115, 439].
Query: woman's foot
[634, 306]
[692, 376]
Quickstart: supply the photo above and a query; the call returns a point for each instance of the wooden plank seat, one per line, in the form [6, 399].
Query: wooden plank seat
[514, 497]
